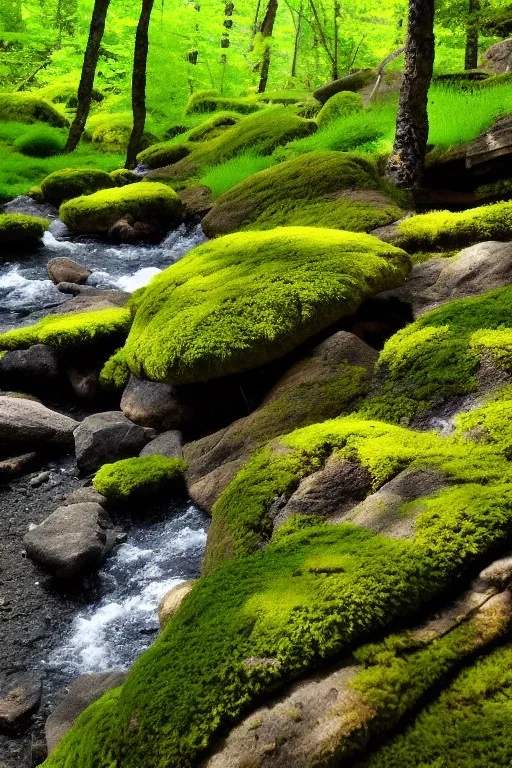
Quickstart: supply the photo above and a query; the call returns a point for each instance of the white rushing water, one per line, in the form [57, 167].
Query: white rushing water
[114, 631]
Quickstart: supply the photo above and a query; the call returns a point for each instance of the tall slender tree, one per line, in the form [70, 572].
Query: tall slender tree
[407, 161]
[92, 52]
[139, 77]
[266, 29]
[472, 31]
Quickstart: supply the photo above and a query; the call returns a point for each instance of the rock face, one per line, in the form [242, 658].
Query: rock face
[172, 601]
[107, 437]
[20, 694]
[168, 444]
[81, 693]
[498, 58]
[151, 404]
[65, 270]
[28, 421]
[321, 386]
[35, 369]
[73, 539]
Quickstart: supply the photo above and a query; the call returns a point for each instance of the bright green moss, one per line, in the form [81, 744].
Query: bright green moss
[71, 331]
[320, 189]
[467, 727]
[438, 356]
[285, 96]
[129, 479]
[340, 105]
[27, 108]
[213, 126]
[260, 133]
[20, 231]
[445, 229]
[113, 135]
[122, 177]
[212, 101]
[96, 213]
[163, 153]
[491, 423]
[115, 373]
[72, 182]
[243, 300]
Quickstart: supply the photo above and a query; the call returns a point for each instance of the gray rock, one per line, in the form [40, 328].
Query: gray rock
[28, 421]
[85, 494]
[20, 694]
[65, 270]
[498, 58]
[168, 444]
[39, 479]
[84, 382]
[73, 539]
[35, 369]
[82, 692]
[107, 437]
[155, 405]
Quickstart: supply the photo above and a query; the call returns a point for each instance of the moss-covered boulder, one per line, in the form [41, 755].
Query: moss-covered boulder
[260, 133]
[136, 478]
[19, 232]
[145, 202]
[122, 177]
[73, 182]
[213, 126]
[243, 300]
[163, 153]
[213, 101]
[340, 105]
[29, 108]
[338, 190]
[113, 135]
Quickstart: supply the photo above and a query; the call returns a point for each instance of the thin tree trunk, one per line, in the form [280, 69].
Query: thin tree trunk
[140, 61]
[267, 27]
[406, 164]
[335, 67]
[85, 88]
[296, 42]
[471, 58]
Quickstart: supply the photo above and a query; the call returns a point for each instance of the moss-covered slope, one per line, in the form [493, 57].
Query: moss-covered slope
[243, 300]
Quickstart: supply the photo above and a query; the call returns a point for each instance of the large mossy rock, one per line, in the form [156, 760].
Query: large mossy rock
[260, 133]
[145, 202]
[20, 232]
[29, 108]
[74, 182]
[319, 189]
[269, 615]
[238, 302]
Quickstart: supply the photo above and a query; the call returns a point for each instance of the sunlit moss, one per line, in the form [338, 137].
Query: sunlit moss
[138, 477]
[73, 182]
[20, 231]
[29, 108]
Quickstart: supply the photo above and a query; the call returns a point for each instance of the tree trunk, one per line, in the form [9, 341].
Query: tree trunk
[406, 164]
[335, 67]
[471, 58]
[296, 42]
[140, 60]
[92, 51]
[267, 27]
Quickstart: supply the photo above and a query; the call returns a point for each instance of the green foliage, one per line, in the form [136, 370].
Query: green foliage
[131, 479]
[71, 331]
[221, 178]
[40, 141]
[243, 300]
[74, 182]
[437, 356]
[27, 108]
[319, 189]
[338, 106]
[20, 231]
[145, 201]
[115, 373]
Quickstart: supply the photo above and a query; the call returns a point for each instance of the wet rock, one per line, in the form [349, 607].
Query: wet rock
[85, 494]
[20, 694]
[82, 692]
[73, 539]
[498, 58]
[128, 230]
[172, 601]
[155, 405]
[35, 369]
[65, 270]
[17, 465]
[89, 299]
[28, 421]
[107, 437]
[168, 444]
[84, 382]
[39, 479]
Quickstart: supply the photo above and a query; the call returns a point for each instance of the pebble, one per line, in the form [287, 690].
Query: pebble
[43, 477]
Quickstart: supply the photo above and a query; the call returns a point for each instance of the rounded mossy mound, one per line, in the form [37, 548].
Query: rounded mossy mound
[145, 201]
[40, 141]
[213, 126]
[29, 108]
[340, 105]
[114, 135]
[319, 189]
[18, 231]
[163, 153]
[444, 229]
[212, 101]
[74, 182]
[131, 479]
[122, 177]
[243, 300]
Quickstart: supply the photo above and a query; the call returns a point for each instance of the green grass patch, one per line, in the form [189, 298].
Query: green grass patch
[226, 175]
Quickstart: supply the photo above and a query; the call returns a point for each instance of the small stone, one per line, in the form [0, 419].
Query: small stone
[65, 270]
[20, 694]
[43, 477]
[172, 601]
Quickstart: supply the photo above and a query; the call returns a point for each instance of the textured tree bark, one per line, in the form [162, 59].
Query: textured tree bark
[407, 161]
[471, 57]
[140, 61]
[267, 27]
[97, 28]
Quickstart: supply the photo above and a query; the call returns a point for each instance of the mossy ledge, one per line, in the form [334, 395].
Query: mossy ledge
[19, 231]
[131, 479]
[243, 300]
